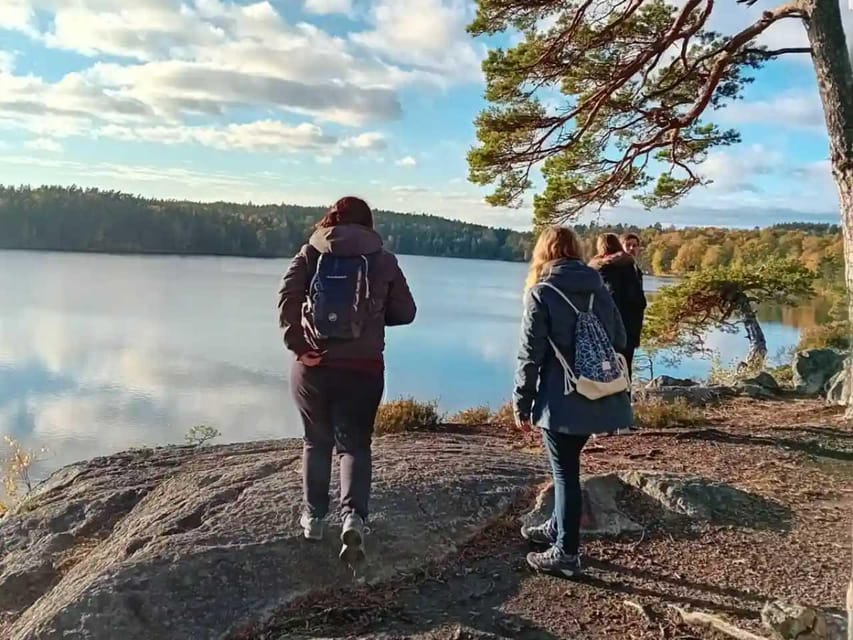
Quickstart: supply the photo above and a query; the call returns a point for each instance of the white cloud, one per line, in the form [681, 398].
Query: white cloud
[370, 141]
[734, 171]
[44, 144]
[408, 161]
[409, 189]
[17, 15]
[799, 109]
[7, 62]
[326, 7]
[428, 34]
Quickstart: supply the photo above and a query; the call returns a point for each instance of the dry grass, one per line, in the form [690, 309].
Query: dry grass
[655, 414]
[473, 417]
[407, 414]
[16, 466]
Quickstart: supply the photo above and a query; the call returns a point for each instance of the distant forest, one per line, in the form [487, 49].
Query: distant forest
[76, 219]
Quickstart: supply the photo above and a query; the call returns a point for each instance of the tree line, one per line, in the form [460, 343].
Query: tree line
[76, 219]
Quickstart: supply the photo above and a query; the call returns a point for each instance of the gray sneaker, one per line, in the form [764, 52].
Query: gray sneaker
[312, 528]
[540, 534]
[352, 537]
[556, 563]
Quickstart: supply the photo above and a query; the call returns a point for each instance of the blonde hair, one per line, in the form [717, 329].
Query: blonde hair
[609, 243]
[554, 243]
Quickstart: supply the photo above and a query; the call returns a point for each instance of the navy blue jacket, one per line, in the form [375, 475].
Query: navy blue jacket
[539, 380]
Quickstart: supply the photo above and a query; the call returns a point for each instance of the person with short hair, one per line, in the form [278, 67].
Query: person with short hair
[340, 292]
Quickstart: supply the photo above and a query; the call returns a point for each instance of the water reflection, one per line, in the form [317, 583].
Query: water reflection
[100, 353]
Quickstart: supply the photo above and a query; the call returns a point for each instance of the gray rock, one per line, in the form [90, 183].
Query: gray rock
[698, 395]
[705, 499]
[755, 391]
[186, 543]
[601, 514]
[764, 380]
[814, 368]
[675, 495]
[839, 387]
[668, 381]
[795, 622]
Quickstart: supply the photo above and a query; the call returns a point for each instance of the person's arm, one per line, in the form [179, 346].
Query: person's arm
[400, 308]
[531, 355]
[291, 296]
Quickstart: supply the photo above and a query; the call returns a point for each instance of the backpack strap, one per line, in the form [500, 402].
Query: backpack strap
[591, 301]
[562, 295]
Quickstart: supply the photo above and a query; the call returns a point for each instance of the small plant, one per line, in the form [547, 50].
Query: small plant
[201, 434]
[17, 465]
[656, 414]
[473, 417]
[407, 414]
[504, 417]
[729, 375]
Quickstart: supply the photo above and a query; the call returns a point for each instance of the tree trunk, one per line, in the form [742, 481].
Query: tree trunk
[831, 58]
[755, 335]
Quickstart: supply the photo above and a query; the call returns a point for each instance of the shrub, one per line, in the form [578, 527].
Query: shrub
[15, 472]
[656, 414]
[783, 374]
[407, 414]
[473, 417]
[201, 434]
[833, 335]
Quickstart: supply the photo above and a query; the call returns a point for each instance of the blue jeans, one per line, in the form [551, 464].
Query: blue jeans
[564, 453]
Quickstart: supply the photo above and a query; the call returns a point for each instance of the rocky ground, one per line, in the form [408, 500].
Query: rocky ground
[796, 453]
[182, 543]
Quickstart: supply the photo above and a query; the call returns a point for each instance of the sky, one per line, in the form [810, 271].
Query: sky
[303, 101]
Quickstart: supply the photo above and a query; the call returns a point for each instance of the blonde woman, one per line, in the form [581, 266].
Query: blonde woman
[541, 398]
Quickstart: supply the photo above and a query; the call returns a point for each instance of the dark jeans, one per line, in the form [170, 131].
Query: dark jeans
[564, 452]
[338, 408]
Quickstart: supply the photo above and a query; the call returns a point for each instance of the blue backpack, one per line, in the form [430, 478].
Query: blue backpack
[338, 296]
[599, 371]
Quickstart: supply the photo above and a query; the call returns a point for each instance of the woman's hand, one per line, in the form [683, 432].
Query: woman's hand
[311, 358]
[524, 425]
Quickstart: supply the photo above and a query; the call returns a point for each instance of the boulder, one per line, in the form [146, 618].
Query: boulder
[813, 369]
[764, 380]
[795, 622]
[695, 395]
[203, 543]
[668, 381]
[674, 494]
[754, 391]
[839, 387]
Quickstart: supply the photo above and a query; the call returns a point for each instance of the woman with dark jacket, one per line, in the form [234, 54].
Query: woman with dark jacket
[340, 292]
[623, 279]
[567, 420]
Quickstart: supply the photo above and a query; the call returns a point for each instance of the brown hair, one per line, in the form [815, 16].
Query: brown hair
[630, 236]
[608, 244]
[554, 243]
[348, 210]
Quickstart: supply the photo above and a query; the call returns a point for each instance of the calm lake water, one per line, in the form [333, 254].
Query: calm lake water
[100, 353]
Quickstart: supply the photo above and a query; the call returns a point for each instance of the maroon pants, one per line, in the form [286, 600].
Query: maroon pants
[338, 409]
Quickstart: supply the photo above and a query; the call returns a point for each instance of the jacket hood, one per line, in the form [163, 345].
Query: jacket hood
[573, 276]
[620, 259]
[346, 240]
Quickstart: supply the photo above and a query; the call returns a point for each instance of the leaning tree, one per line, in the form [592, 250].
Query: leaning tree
[609, 98]
[726, 299]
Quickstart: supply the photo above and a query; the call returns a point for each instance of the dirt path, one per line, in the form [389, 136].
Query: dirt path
[799, 453]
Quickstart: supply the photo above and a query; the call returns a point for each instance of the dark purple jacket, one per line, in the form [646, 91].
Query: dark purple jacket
[391, 300]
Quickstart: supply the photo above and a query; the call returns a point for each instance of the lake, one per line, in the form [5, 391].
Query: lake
[100, 353]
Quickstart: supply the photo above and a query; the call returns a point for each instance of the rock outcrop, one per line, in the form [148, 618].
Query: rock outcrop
[197, 544]
[795, 622]
[839, 387]
[813, 369]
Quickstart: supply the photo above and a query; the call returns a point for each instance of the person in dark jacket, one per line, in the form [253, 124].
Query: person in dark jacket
[567, 420]
[625, 283]
[338, 383]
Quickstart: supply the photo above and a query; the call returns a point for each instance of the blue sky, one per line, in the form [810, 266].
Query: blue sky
[302, 101]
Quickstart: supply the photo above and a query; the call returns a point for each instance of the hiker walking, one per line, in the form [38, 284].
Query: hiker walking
[342, 289]
[570, 382]
[621, 274]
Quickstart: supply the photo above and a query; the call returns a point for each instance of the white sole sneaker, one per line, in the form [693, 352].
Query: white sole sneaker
[352, 539]
[312, 528]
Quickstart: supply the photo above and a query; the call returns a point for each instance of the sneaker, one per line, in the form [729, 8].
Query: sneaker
[556, 563]
[541, 534]
[352, 537]
[312, 528]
